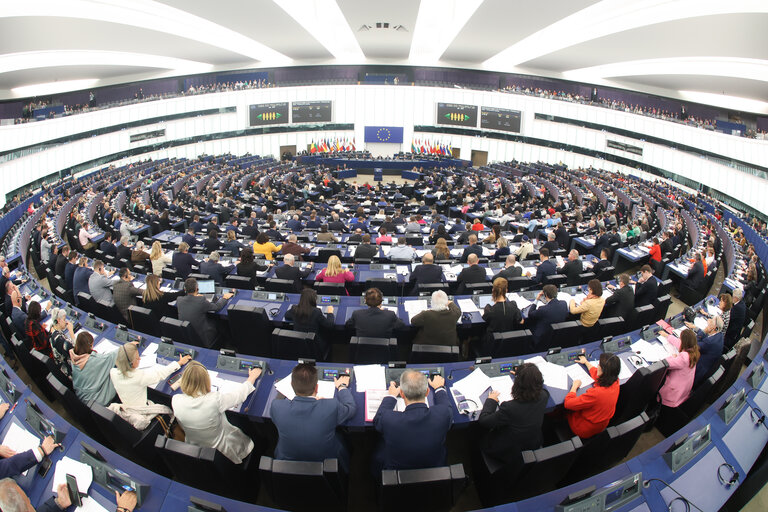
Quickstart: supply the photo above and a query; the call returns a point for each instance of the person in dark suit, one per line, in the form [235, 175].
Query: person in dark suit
[61, 262]
[437, 325]
[374, 322]
[501, 316]
[551, 244]
[541, 318]
[561, 236]
[474, 273]
[248, 266]
[603, 241]
[414, 438]
[572, 268]
[156, 300]
[213, 226]
[189, 237]
[193, 308]
[69, 270]
[288, 271]
[545, 268]
[80, 278]
[182, 261]
[426, 273]
[695, 277]
[124, 251]
[472, 248]
[250, 230]
[647, 288]
[622, 301]
[124, 293]
[515, 425]
[306, 426]
[294, 224]
[213, 268]
[667, 245]
[602, 263]
[736, 323]
[365, 250]
[511, 269]
[711, 341]
[336, 225]
[106, 246]
[211, 243]
[306, 317]
[18, 463]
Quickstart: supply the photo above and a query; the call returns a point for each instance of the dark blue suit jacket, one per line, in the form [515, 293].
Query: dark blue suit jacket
[190, 240]
[294, 225]
[711, 348]
[182, 262]
[545, 268]
[69, 275]
[80, 281]
[738, 315]
[17, 464]
[414, 438]
[216, 270]
[542, 318]
[307, 427]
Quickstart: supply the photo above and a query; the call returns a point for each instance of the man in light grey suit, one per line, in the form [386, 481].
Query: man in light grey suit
[193, 308]
[100, 283]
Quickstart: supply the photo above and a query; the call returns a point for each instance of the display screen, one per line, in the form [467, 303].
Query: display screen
[334, 373]
[118, 484]
[456, 114]
[248, 365]
[272, 296]
[623, 342]
[507, 368]
[268, 113]
[492, 118]
[311, 111]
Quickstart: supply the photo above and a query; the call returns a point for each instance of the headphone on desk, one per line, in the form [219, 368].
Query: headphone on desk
[734, 475]
[758, 417]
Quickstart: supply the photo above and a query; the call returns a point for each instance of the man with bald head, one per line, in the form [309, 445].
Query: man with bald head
[572, 268]
[289, 271]
[511, 268]
[426, 273]
[472, 248]
[474, 273]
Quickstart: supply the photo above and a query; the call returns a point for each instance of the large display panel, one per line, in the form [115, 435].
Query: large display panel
[493, 118]
[456, 114]
[263, 114]
[311, 111]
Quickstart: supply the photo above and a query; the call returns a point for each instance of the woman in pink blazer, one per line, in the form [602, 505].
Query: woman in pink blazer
[682, 368]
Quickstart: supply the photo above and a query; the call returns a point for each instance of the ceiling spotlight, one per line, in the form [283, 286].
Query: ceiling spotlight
[364, 28]
[400, 28]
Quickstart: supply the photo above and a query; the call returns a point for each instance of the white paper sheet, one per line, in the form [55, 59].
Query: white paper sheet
[106, 346]
[82, 472]
[373, 399]
[467, 305]
[20, 439]
[224, 385]
[700, 323]
[414, 307]
[473, 385]
[503, 384]
[150, 350]
[625, 372]
[325, 388]
[90, 505]
[577, 372]
[651, 352]
[147, 361]
[554, 375]
[370, 376]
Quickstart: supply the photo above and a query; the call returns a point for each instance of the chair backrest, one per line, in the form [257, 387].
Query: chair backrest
[585, 277]
[664, 287]
[518, 283]
[238, 282]
[180, 330]
[388, 287]
[170, 273]
[478, 288]
[330, 288]
[293, 345]
[108, 312]
[544, 468]
[611, 326]
[280, 285]
[76, 408]
[512, 343]
[142, 320]
[364, 350]
[429, 288]
[424, 354]
[564, 334]
[422, 489]
[556, 279]
[643, 316]
[661, 306]
[86, 302]
[701, 393]
[606, 274]
[251, 330]
[323, 485]
[324, 254]
[638, 391]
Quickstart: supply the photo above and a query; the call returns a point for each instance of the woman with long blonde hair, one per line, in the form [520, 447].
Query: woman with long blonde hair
[158, 259]
[441, 251]
[334, 273]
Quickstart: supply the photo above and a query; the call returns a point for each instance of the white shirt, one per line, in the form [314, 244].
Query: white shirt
[132, 388]
[162, 261]
[205, 423]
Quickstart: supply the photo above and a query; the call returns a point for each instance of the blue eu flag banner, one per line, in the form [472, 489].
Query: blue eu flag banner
[390, 134]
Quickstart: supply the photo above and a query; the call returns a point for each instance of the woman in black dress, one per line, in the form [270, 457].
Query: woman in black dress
[307, 317]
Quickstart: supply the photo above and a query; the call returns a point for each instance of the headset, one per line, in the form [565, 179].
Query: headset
[734, 475]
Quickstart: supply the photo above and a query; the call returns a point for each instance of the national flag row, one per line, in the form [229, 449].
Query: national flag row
[427, 147]
[332, 145]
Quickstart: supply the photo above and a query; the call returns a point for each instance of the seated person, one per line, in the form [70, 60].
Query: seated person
[511, 268]
[90, 371]
[515, 425]
[131, 382]
[202, 412]
[437, 325]
[290, 272]
[414, 438]
[334, 273]
[248, 266]
[602, 263]
[13, 463]
[588, 414]
[306, 317]
[572, 268]
[682, 369]
[426, 273]
[156, 300]
[374, 322]
[326, 236]
[160, 259]
[306, 426]
[541, 318]
[647, 288]
[503, 315]
[710, 341]
[182, 261]
[365, 250]
[214, 269]
[622, 301]
[545, 268]
[262, 245]
[211, 242]
[592, 306]
[139, 255]
[36, 333]
[193, 306]
[401, 251]
[474, 273]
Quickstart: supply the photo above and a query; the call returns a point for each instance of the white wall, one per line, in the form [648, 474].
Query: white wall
[404, 106]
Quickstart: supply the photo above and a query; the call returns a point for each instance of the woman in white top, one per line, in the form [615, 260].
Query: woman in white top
[158, 259]
[131, 382]
[201, 412]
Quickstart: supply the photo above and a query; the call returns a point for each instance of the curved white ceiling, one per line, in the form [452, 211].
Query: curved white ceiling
[657, 46]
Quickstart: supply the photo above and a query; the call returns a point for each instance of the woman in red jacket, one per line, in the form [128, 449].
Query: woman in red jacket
[655, 254]
[588, 414]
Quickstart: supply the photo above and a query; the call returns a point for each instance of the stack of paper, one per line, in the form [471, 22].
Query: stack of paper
[414, 307]
[576, 372]
[651, 352]
[106, 346]
[373, 399]
[473, 386]
[700, 323]
[554, 375]
[370, 376]
[20, 439]
[503, 384]
[325, 388]
[467, 305]
[67, 466]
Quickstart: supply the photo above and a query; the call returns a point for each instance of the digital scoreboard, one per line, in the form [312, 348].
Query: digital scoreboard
[457, 115]
[268, 113]
[492, 118]
[311, 111]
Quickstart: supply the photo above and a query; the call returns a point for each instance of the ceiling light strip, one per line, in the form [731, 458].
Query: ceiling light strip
[437, 25]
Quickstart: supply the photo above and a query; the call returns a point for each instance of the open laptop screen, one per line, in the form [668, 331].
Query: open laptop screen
[205, 287]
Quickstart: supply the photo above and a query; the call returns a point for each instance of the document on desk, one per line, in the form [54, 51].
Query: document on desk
[106, 346]
[473, 386]
[713, 310]
[559, 260]
[554, 375]
[489, 272]
[147, 361]
[68, 466]
[503, 384]
[577, 372]
[565, 297]
[414, 307]
[487, 251]
[456, 252]
[325, 388]
[456, 269]
[373, 399]
[521, 302]
[370, 376]
[700, 322]
[20, 439]
[402, 270]
[670, 348]
[224, 385]
[90, 505]
[467, 305]
[651, 352]
[385, 249]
